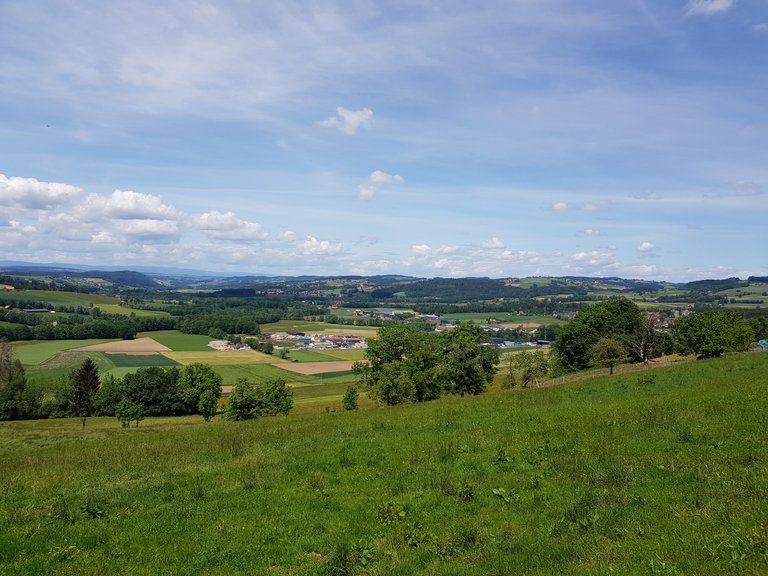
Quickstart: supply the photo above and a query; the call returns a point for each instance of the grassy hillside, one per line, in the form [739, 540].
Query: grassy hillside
[661, 472]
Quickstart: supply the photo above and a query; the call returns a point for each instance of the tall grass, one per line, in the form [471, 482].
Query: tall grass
[661, 472]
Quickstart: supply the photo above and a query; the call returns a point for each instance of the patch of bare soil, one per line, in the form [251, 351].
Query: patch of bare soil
[310, 368]
[137, 346]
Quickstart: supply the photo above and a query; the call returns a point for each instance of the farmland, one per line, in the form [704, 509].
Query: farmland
[659, 472]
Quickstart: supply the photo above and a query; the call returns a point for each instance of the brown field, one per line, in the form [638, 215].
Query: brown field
[524, 325]
[310, 368]
[137, 346]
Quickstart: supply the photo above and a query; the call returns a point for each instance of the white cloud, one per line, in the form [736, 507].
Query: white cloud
[287, 236]
[645, 247]
[762, 27]
[560, 207]
[227, 226]
[521, 256]
[591, 232]
[594, 258]
[129, 205]
[349, 121]
[368, 189]
[102, 238]
[493, 243]
[708, 7]
[421, 248]
[32, 194]
[313, 246]
[148, 229]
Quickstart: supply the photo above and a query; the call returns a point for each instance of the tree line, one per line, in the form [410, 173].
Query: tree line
[149, 391]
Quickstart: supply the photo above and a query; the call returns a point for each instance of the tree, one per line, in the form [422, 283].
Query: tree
[530, 364]
[14, 403]
[249, 400]
[127, 411]
[608, 352]
[85, 384]
[401, 366]
[468, 363]
[647, 342]
[618, 318]
[194, 381]
[207, 405]
[350, 398]
[157, 390]
[710, 334]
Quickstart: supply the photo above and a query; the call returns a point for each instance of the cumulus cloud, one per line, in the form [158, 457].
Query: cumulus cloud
[227, 226]
[349, 121]
[313, 246]
[594, 258]
[147, 229]
[368, 189]
[102, 238]
[708, 7]
[560, 207]
[426, 249]
[32, 194]
[645, 247]
[591, 232]
[129, 205]
[493, 243]
[521, 256]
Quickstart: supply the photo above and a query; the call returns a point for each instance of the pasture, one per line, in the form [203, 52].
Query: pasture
[108, 304]
[657, 473]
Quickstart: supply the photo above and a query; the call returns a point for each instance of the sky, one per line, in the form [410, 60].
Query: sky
[428, 138]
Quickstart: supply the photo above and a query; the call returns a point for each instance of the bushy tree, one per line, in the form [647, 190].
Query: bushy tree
[249, 400]
[207, 405]
[619, 318]
[85, 384]
[468, 362]
[710, 334]
[14, 401]
[350, 398]
[127, 411]
[195, 380]
[608, 352]
[401, 366]
[530, 365]
[156, 389]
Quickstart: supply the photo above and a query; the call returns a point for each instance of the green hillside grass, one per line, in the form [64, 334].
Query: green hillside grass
[658, 472]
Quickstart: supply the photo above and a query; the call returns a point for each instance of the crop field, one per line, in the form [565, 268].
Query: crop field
[345, 354]
[139, 360]
[657, 473]
[180, 342]
[222, 357]
[316, 328]
[310, 356]
[506, 318]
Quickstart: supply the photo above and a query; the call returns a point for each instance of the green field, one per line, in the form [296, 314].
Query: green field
[504, 318]
[109, 304]
[310, 356]
[139, 360]
[37, 352]
[654, 473]
[315, 327]
[179, 342]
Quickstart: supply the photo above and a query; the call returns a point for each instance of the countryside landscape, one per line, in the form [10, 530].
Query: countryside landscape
[383, 288]
[342, 441]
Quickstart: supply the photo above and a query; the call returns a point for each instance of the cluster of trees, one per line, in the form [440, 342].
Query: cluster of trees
[249, 400]
[407, 365]
[710, 334]
[631, 335]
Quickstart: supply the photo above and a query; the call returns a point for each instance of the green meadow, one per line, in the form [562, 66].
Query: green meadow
[656, 472]
[109, 304]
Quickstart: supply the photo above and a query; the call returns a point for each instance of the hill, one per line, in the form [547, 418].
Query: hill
[658, 472]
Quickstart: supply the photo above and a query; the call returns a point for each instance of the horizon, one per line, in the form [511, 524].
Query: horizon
[511, 139]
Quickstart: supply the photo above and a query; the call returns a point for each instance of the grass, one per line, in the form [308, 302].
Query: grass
[221, 358]
[658, 472]
[180, 342]
[140, 360]
[109, 304]
[39, 351]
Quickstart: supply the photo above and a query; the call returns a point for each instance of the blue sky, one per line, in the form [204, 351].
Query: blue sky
[448, 138]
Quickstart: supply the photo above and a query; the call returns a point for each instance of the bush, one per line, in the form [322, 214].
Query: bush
[350, 398]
